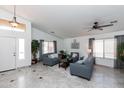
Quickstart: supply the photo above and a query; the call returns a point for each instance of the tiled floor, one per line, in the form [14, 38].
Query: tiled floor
[39, 75]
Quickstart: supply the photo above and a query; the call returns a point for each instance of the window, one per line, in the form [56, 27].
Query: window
[109, 48]
[21, 49]
[48, 47]
[51, 47]
[104, 48]
[98, 48]
[45, 47]
[5, 25]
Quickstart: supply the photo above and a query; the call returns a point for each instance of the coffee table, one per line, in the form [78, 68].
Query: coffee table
[64, 63]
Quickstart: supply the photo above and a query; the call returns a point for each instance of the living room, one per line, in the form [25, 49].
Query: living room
[61, 46]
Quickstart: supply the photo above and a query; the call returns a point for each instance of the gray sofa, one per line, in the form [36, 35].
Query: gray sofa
[49, 61]
[83, 69]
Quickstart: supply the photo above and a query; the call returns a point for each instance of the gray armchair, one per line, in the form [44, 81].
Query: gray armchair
[83, 69]
[49, 61]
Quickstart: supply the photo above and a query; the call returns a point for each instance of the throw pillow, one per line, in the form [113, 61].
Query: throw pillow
[74, 55]
[50, 56]
[80, 61]
[85, 57]
[53, 56]
[81, 58]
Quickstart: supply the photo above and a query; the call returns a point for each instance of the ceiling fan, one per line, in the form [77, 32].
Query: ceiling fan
[96, 25]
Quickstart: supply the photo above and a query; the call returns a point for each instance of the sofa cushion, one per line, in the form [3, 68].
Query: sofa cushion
[88, 61]
[55, 59]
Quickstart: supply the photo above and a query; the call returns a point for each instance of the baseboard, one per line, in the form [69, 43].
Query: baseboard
[104, 66]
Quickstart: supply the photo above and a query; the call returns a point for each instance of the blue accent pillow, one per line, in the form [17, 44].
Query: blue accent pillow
[80, 61]
[81, 58]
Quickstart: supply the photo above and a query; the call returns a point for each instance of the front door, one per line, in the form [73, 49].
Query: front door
[7, 53]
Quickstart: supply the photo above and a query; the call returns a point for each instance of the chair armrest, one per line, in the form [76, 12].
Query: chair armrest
[80, 70]
[77, 65]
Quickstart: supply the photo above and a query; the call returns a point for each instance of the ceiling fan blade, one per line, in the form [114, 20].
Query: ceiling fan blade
[115, 21]
[105, 25]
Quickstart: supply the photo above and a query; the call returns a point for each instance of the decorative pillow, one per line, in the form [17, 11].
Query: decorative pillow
[85, 57]
[53, 56]
[80, 61]
[74, 55]
[81, 58]
[50, 56]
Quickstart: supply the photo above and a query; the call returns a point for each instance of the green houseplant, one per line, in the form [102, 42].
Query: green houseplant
[35, 47]
[61, 51]
[120, 51]
[62, 54]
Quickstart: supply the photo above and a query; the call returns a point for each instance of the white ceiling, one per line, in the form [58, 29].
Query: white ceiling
[71, 20]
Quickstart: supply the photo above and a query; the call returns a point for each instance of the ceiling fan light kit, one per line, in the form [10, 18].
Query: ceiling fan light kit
[14, 23]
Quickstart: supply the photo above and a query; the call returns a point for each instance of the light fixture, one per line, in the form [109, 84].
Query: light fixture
[14, 23]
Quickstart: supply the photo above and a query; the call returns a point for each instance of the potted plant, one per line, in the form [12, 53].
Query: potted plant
[35, 47]
[61, 51]
[120, 52]
[63, 54]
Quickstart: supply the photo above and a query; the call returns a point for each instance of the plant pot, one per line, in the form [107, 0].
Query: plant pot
[34, 61]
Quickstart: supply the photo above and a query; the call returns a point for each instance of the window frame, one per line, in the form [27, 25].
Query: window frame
[104, 48]
[48, 47]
